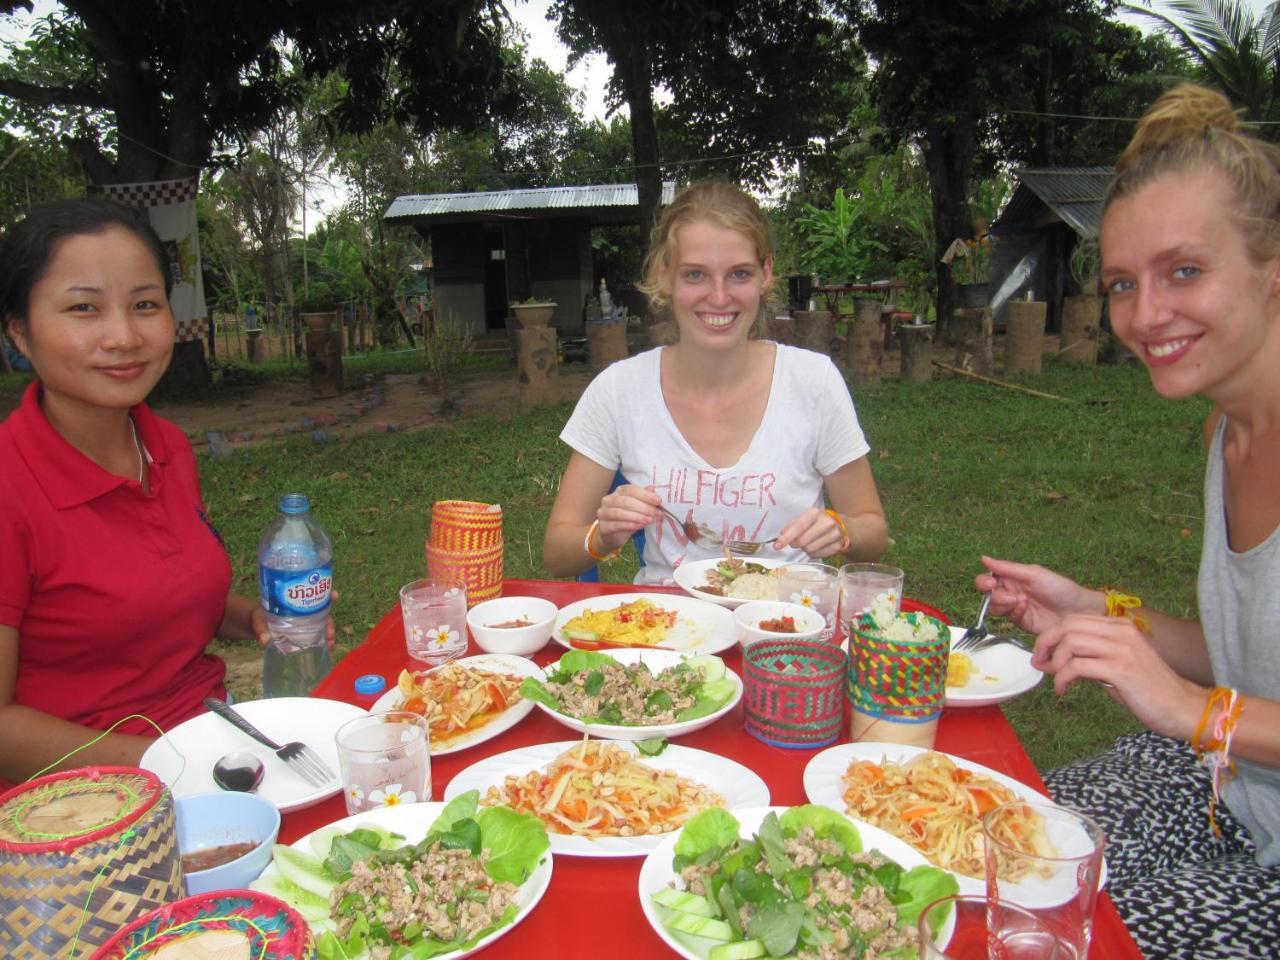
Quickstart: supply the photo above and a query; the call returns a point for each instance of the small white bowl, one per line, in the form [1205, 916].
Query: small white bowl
[207, 820]
[521, 641]
[746, 621]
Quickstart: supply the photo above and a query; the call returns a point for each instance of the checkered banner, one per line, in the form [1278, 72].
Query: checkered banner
[171, 206]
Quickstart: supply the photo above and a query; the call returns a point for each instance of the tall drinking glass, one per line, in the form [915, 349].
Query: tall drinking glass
[976, 928]
[385, 760]
[435, 619]
[813, 585]
[862, 584]
[1058, 879]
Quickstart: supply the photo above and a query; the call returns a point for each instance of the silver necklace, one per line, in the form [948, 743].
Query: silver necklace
[137, 445]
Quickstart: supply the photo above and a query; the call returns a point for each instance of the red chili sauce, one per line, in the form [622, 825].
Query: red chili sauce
[212, 857]
[780, 625]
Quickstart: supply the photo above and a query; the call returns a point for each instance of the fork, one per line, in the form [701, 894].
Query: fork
[301, 759]
[698, 533]
[978, 632]
[990, 640]
[747, 548]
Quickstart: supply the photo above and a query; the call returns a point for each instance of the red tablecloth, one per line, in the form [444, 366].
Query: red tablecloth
[592, 908]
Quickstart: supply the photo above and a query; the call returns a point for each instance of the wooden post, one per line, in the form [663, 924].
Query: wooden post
[606, 342]
[255, 346]
[971, 333]
[864, 347]
[1080, 318]
[1024, 336]
[917, 351]
[782, 328]
[324, 362]
[537, 366]
[814, 330]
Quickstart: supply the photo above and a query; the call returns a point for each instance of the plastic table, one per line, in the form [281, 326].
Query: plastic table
[592, 908]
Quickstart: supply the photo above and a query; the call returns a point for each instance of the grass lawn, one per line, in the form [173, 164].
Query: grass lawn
[1105, 489]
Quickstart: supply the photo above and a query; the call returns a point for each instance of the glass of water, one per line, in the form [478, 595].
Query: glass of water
[813, 585]
[385, 760]
[435, 619]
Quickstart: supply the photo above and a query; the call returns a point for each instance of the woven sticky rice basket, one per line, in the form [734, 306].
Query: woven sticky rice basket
[82, 853]
[480, 570]
[899, 680]
[465, 525]
[223, 925]
[793, 691]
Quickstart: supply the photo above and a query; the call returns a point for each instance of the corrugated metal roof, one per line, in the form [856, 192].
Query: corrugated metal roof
[1073, 193]
[503, 202]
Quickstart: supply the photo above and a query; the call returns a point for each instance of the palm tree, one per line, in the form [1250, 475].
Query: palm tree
[1236, 52]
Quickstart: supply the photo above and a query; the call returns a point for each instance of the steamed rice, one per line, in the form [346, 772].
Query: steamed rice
[754, 586]
[899, 627]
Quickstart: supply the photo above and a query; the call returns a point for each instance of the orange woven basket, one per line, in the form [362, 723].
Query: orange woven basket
[480, 570]
[465, 525]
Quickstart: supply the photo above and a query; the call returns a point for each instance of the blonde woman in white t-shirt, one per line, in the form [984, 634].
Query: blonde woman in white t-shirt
[734, 433]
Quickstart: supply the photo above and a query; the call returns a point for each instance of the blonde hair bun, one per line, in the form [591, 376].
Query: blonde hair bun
[1186, 112]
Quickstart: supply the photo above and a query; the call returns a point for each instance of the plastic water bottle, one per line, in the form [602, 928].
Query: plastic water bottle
[295, 578]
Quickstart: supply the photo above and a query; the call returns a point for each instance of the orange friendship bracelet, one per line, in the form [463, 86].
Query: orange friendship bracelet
[844, 531]
[1212, 742]
[586, 543]
[1123, 605]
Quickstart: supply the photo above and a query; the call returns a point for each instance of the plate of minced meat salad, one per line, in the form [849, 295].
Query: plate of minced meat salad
[437, 879]
[635, 694]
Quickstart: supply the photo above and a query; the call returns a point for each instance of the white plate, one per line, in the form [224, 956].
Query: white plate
[692, 575]
[822, 776]
[656, 873]
[739, 786]
[411, 820]
[700, 627]
[508, 718]
[1000, 672]
[657, 660]
[184, 757]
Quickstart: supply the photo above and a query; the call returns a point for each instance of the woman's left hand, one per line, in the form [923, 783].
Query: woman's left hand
[1114, 652]
[814, 531]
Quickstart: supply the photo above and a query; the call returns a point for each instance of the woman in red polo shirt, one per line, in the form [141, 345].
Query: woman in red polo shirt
[112, 579]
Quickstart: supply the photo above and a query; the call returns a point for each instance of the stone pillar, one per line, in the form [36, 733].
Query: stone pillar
[324, 362]
[782, 328]
[1080, 319]
[814, 330]
[606, 342]
[1024, 336]
[255, 346]
[537, 366]
[864, 347]
[971, 333]
[917, 351]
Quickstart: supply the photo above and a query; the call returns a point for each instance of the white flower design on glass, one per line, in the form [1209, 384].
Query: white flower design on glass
[356, 793]
[452, 592]
[805, 598]
[415, 632]
[440, 636]
[889, 597]
[391, 796]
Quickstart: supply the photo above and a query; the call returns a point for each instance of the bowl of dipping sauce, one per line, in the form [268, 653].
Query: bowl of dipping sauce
[516, 625]
[225, 839]
[776, 620]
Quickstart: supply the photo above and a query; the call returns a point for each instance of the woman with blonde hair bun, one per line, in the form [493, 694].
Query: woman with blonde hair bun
[1190, 243]
[730, 433]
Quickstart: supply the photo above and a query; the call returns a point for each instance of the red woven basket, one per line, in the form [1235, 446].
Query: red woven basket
[794, 692]
[480, 570]
[465, 525]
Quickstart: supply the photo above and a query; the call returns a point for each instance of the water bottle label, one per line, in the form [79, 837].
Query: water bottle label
[294, 593]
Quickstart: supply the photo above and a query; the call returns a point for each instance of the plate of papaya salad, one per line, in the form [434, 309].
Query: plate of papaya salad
[392, 882]
[605, 798]
[784, 882]
[635, 694]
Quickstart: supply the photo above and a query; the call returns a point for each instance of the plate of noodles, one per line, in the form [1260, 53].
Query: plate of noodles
[663, 621]
[605, 798]
[934, 801]
[992, 675]
[729, 582]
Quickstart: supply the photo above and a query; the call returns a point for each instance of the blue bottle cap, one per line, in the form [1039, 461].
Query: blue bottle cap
[370, 684]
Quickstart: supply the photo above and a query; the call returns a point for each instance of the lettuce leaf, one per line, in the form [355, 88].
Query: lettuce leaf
[918, 888]
[712, 829]
[826, 824]
[461, 807]
[515, 842]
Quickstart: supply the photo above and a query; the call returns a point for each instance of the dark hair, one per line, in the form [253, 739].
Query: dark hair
[31, 243]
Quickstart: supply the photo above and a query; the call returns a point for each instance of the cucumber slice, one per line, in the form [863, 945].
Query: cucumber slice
[685, 902]
[713, 668]
[742, 950]
[707, 927]
[580, 634]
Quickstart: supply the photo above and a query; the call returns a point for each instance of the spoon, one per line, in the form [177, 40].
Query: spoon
[240, 771]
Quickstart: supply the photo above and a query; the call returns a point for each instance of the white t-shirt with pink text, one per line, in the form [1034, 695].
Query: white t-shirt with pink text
[809, 431]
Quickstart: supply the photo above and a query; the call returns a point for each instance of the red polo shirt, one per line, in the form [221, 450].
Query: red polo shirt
[115, 593]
